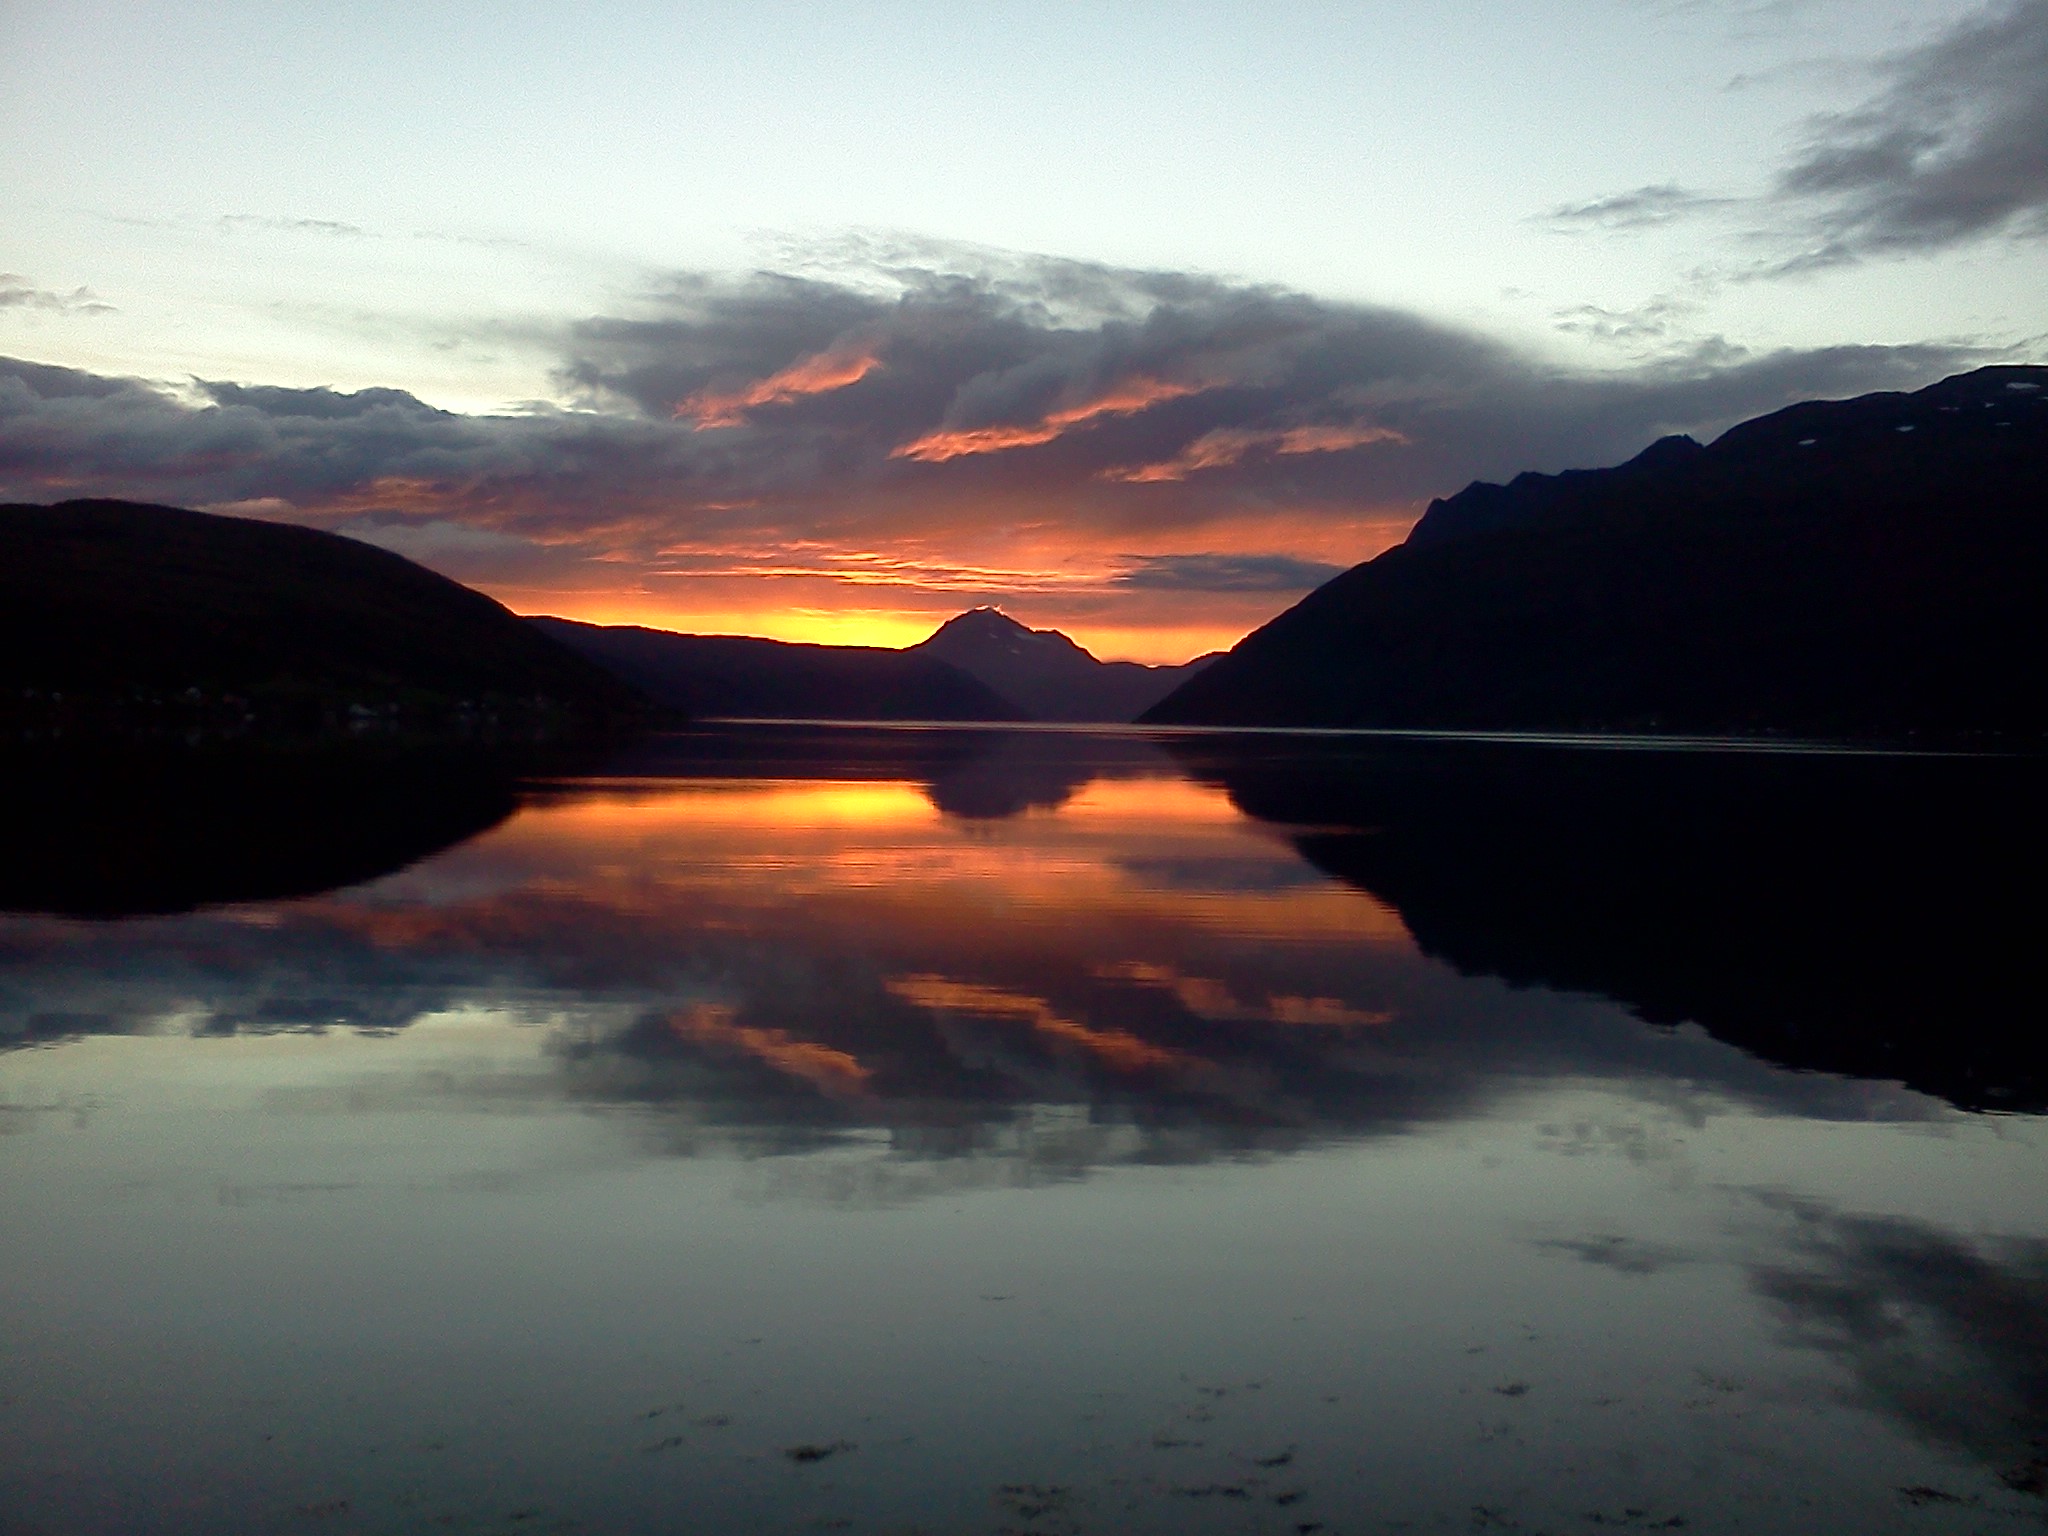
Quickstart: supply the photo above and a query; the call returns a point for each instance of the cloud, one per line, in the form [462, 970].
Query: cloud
[836, 369]
[1225, 447]
[1654, 323]
[234, 223]
[1227, 573]
[1623, 1255]
[1952, 149]
[931, 417]
[1643, 208]
[16, 292]
[1126, 399]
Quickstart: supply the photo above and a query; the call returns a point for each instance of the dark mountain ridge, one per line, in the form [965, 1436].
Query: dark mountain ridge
[740, 677]
[1046, 673]
[1867, 568]
[979, 665]
[119, 615]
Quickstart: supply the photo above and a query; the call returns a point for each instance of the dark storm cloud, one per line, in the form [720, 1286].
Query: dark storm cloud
[1227, 573]
[910, 398]
[1954, 148]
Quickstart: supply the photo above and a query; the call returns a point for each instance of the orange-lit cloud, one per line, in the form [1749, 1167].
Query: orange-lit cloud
[824, 1067]
[1227, 446]
[1126, 399]
[887, 568]
[1183, 505]
[818, 374]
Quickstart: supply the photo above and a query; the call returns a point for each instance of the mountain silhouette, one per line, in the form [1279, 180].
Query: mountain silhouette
[739, 677]
[122, 616]
[1046, 673]
[975, 775]
[979, 665]
[1861, 568]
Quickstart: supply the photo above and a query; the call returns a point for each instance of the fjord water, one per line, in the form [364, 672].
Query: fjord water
[807, 1128]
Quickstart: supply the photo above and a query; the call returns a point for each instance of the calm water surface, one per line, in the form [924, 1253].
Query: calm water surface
[799, 1129]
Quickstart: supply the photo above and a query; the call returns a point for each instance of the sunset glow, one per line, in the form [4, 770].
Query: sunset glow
[747, 371]
[1023, 769]
[751, 844]
[1111, 625]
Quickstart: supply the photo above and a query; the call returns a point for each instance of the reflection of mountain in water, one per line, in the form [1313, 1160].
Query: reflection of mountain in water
[785, 940]
[143, 828]
[980, 774]
[160, 828]
[1871, 915]
[771, 934]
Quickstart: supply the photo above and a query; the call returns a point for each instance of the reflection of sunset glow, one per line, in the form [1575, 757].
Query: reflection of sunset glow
[1323, 1010]
[844, 939]
[824, 1067]
[1126, 399]
[1117, 1048]
[1152, 800]
[817, 374]
[737, 803]
[746, 842]
[1231, 445]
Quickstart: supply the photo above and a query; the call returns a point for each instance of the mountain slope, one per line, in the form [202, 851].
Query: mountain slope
[1868, 568]
[121, 614]
[1046, 673]
[738, 677]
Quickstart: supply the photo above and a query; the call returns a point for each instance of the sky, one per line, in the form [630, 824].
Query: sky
[825, 322]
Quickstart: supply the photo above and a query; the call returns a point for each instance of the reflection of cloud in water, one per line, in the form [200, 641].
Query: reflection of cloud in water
[1117, 1049]
[775, 961]
[834, 1073]
[1945, 1335]
[1207, 998]
[1623, 1255]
